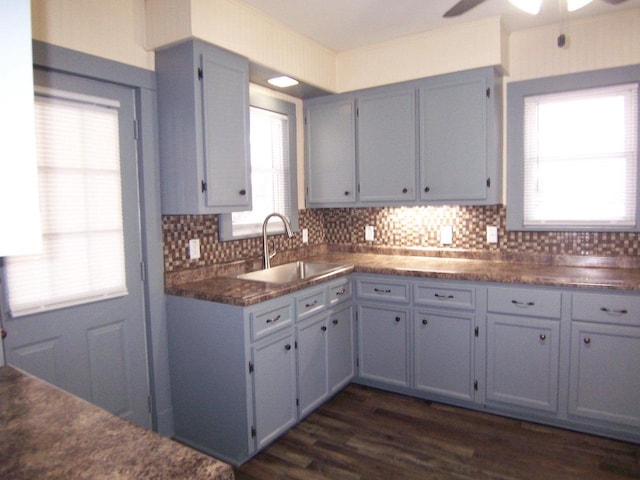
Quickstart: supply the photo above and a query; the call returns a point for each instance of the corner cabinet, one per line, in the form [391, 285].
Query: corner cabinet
[203, 109]
[429, 141]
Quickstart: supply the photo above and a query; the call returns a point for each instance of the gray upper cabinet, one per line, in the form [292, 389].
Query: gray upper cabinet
[330, 152]
[430, 141]
[459, 157]
[203, 106]
[387, 146]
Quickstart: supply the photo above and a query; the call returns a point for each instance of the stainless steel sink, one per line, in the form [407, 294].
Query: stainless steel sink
[292, 272]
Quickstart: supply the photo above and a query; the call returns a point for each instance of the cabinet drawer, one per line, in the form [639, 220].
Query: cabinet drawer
[269, 319]
[444, 296]
[606, 308]
[384, 290]
[338, 293]
[309, 303]
[524, 301]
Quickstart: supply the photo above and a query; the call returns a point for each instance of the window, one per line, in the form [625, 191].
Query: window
[573, 154]
[273, 171]
[78, 155]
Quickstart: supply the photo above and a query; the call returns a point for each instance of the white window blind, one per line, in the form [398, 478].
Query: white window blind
[581, 158]
[78, 155]
[270, 175]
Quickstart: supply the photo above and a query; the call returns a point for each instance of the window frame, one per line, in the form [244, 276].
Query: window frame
[225, 226]
[515, 118]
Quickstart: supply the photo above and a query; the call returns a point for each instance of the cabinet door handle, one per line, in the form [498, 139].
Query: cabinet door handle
[404, 190]
[426, 189]
[312, 304]
[543, 337]
[334, 321]
[287, 347]
[398, 319]
[613, 311]
[273, 320]
[242, 192]
[587, 340]
[323, 328]
[341, 292]
[346, 193]
[443, 297]
[379, 290]
[425, 321]
[523, 304]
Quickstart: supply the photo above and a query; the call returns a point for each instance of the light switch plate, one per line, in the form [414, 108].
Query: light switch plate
[492, 234]
[305, 235]
[194, 248]
[368, 233]
[446, 235]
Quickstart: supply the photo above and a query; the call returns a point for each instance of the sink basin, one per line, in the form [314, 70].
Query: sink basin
[292, 272]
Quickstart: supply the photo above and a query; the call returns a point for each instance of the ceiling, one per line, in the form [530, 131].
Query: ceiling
[346, 24]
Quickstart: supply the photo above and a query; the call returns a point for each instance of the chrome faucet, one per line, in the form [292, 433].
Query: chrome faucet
[265, 243]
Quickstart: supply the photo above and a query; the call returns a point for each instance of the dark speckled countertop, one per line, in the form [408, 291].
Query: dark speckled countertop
[46, 433]
[585, 274]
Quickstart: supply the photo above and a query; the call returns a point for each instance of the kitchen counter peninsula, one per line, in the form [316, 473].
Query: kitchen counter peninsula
[46, 433]
[571, 272]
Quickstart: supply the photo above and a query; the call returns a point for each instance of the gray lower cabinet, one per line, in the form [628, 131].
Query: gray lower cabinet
[444, 353]
[203, 116]
[313, 383]
[383, 337]
[523, 347]
[240, 377]
[604, 382]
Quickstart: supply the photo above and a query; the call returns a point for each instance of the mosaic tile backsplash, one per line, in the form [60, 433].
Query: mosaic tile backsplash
[404, 227]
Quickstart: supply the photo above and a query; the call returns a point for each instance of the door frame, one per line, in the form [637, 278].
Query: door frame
[143, 83]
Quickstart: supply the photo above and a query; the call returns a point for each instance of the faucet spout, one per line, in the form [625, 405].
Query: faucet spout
[265, 242]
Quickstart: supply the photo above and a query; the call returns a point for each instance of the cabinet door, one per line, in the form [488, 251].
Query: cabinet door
[312, 363]
[387, 146]
[382, 342]
[330, 144]
[522, 361]
[274, 387]
[340, 347]
[444, 354]
[225, 99]
[453, 140]
[604, 381]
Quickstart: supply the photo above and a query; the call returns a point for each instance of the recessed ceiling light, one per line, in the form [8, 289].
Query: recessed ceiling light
[283, 81]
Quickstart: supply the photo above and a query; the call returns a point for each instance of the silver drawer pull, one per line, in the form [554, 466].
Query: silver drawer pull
[543, 337]
[523, 304]
[341, 292]
[312, 304]
[443, 297]
[273, 320]
[379, 290]
[613, 311]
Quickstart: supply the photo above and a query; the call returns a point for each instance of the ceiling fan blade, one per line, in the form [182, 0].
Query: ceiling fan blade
[464, 6]
[614, 2]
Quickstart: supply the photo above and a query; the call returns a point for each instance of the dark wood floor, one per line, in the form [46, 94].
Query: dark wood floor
[370, 434]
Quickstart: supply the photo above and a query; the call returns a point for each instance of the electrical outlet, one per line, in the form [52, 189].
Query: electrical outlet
[305, 235]
[492, 234]
[368, 233]
[194, 248]
[446, 235]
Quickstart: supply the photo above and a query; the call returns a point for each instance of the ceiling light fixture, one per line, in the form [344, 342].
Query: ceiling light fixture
[283, 81]
[533, 6]
[529, 6]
